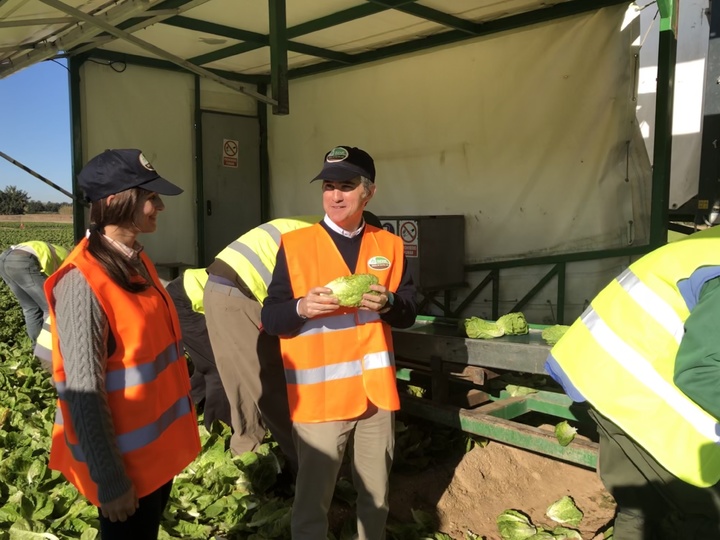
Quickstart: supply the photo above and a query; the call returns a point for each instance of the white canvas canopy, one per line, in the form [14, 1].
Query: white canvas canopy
[518, 115]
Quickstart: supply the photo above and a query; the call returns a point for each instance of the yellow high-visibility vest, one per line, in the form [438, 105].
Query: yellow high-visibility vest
[194, 281]
[620, 356]
[49, 255]
[253, 255]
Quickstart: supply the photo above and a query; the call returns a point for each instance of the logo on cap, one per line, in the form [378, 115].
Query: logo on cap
[337, 154]
[145, 163]
[379, 263]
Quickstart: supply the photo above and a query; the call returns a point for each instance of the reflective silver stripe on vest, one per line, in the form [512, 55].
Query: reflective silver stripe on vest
[144, 373]
[254, 260]
[343, 370]
[138, 438]
[136, 375]
[42, 353]
[644, 373]
[653, 304]
[336, 323]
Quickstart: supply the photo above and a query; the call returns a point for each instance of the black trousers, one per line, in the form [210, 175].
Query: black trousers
[206, 386]
[144, 524]
[652, 504]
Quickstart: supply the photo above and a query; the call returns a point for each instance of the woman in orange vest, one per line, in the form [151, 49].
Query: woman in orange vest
[125, 424]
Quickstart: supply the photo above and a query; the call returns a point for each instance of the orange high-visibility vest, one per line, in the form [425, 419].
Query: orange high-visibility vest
[146, 381]
[337, 362]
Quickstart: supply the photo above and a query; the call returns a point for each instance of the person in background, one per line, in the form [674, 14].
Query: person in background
[646, 356]
[339, 362]
[24, 269]
[125, 424]
[248, 359]
[207, 389]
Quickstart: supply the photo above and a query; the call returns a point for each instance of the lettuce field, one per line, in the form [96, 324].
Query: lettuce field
[217, 496]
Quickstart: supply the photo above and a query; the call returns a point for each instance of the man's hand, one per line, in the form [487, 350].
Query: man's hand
[121, 508]
[317, 302]
[375, 302]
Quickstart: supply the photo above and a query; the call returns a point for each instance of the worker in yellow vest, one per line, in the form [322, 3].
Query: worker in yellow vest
[339, 362]
[646, 356]
[206, 387]
[24, 268]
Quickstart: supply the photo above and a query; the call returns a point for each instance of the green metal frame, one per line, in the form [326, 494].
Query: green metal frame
[662, 149]
[199, 177]
[262, 113]
[499, 420]
[74, 64]
[280, 41]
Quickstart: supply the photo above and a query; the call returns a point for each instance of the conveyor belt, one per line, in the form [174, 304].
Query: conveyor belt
[433, 344]
[442, 338]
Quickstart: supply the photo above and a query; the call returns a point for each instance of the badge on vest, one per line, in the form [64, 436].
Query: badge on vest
[379, 263]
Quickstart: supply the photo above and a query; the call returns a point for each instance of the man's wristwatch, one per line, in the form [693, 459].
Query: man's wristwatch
[389, 304]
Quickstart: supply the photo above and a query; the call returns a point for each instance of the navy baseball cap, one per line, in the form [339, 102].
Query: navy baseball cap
[114, 171]
[345, 163]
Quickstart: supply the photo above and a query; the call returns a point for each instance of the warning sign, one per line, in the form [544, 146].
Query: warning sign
[389, 225]
[230, 153]
[408, 231]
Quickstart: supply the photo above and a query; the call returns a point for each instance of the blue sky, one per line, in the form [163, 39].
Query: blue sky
[35, 130]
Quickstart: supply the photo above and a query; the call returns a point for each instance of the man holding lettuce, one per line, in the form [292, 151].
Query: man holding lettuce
[646, 356]
[336, 345]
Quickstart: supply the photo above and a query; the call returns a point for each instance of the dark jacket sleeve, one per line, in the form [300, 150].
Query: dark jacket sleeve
[697, 364]
[279, 315]
[404, 309]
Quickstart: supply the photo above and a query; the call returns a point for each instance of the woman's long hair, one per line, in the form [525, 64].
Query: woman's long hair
[120, 211]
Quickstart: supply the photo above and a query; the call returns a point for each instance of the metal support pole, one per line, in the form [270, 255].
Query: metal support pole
[662, 149]
[74, 64]
[199, 187]
[278, 56]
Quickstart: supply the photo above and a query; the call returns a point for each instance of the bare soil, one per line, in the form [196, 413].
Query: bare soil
[469, 494]
[37, 218]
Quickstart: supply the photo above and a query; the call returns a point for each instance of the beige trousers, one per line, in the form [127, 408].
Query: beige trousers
[320, 450]
[250, 368]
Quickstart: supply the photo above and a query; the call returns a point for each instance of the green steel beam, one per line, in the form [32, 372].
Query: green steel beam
[341, 57]
[278, 56]
[579, 451]
[328, 21]
[199, 178]
[564, 9]
[113, 56]
[168, 4]
[264, 157]
[252, 40]
[74, 64]
[432, 15]
[560, 258]
[492, 275]
[198, 25]
[662, 147]
[302, 29]
[225, 52]
[536, 289]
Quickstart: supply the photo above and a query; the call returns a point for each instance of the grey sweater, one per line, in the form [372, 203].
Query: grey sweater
[85, 338]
